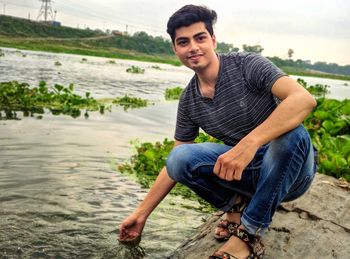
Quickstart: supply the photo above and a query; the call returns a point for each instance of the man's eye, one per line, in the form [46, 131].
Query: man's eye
[182, 43]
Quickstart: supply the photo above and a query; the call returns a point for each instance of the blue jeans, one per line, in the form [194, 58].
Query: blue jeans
[281, 170]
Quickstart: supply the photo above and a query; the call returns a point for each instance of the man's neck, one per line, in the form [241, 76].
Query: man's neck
[207, 77]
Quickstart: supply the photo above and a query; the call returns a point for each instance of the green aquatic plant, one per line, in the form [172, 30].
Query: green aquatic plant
[2, 53]
[57, 63]
[111, 61]
[84, 60]
[173, 93]
[329, 128]
[317, 90]
[156, 67]
[135, 70]
[150, 159]
[15, 96]
[130, 102]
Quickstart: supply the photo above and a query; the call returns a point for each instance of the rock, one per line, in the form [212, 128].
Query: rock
[317, 225]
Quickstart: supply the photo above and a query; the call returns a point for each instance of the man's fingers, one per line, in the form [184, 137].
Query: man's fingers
[229, 175]
[217, 168]
[238, 175]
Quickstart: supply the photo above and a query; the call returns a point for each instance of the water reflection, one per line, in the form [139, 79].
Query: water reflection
[60, 196]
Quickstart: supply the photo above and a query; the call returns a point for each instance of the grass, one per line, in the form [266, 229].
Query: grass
[302, 72]
[78, 47]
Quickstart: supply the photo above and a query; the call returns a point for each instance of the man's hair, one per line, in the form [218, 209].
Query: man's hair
[188, 15]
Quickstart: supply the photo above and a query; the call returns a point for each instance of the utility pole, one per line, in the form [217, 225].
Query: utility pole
[4, 6]
[45, 10]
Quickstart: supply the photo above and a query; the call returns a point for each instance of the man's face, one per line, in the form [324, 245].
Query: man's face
[194, 46]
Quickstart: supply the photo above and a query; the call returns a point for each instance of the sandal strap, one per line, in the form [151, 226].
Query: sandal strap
[222, 256]
[240, 206]
[229, 227]
[254, 242]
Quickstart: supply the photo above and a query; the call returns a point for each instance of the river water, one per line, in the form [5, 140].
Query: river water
[61, 195]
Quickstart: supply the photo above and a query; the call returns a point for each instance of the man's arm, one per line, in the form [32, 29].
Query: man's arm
[296, 104]
[132, 226]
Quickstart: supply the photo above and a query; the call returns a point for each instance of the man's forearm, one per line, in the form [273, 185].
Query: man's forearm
[161, 187]
[287, 116]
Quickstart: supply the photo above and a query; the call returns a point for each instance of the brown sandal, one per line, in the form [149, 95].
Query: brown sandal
[228, 226]
[222, 256]
[257, 248]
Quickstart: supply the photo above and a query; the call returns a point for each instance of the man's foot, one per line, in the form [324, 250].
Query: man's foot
[240, 245]
[222, 229]
[235, 247]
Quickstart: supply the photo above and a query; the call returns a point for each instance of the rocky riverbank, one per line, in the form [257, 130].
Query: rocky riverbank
[315, 226]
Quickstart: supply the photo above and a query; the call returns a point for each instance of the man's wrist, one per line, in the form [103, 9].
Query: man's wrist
[252, 141]
[141, 214]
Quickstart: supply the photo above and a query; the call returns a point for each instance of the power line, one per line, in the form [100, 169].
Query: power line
[45, 10]
[134, 24]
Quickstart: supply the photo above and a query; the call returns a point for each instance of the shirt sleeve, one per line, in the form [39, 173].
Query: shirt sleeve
[186, 129]
[260, 73]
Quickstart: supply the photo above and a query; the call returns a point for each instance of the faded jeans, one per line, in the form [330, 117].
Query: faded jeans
[281, 170]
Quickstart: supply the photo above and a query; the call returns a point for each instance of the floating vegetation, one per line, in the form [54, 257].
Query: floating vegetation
[135, 70]
[150, 159]
[57, 63]
[15, 96]
[84, 60]
[173, 93]
[329, 128]
[317, 90]
[2, 53]
[111, 62]
[156, 67]
[130, 102]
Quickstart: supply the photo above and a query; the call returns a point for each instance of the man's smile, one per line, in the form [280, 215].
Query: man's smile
[195, 56]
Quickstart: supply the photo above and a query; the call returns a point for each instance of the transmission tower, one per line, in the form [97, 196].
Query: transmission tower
[46, 10]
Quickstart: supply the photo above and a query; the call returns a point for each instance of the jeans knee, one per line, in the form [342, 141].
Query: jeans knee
[297, 138]
[177, 162]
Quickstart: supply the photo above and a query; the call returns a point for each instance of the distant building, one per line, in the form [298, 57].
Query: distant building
[56, 24]
[52, 23]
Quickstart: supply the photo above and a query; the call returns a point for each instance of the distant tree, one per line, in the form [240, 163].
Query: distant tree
[223, 47]
[256, 48]
[290, 53]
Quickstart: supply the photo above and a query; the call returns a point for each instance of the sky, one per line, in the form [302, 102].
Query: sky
[317, 30]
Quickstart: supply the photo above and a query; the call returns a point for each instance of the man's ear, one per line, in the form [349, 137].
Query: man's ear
[174, 48]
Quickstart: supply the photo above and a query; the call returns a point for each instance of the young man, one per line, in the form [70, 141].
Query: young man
[257, 111]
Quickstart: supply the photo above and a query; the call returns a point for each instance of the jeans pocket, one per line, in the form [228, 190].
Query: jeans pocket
[300, 188]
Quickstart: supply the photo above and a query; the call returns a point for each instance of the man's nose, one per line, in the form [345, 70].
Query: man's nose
[193, 46]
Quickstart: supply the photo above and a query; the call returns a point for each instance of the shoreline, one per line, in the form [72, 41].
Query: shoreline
[77, 48]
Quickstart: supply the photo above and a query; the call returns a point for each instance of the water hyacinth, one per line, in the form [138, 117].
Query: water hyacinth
[15, 96]
[135, 70]
[130, 102]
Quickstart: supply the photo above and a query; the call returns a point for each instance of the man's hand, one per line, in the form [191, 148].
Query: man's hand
[131, 228]
[230, 165]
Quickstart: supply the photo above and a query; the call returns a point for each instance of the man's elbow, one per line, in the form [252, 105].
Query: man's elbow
[310, 102]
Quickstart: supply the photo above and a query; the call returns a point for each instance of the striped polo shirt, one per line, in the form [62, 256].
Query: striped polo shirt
[242, 99]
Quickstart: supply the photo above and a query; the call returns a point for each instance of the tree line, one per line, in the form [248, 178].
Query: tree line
[145, 43]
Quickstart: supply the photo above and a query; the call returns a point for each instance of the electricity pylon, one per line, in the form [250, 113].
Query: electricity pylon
[46, 10]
